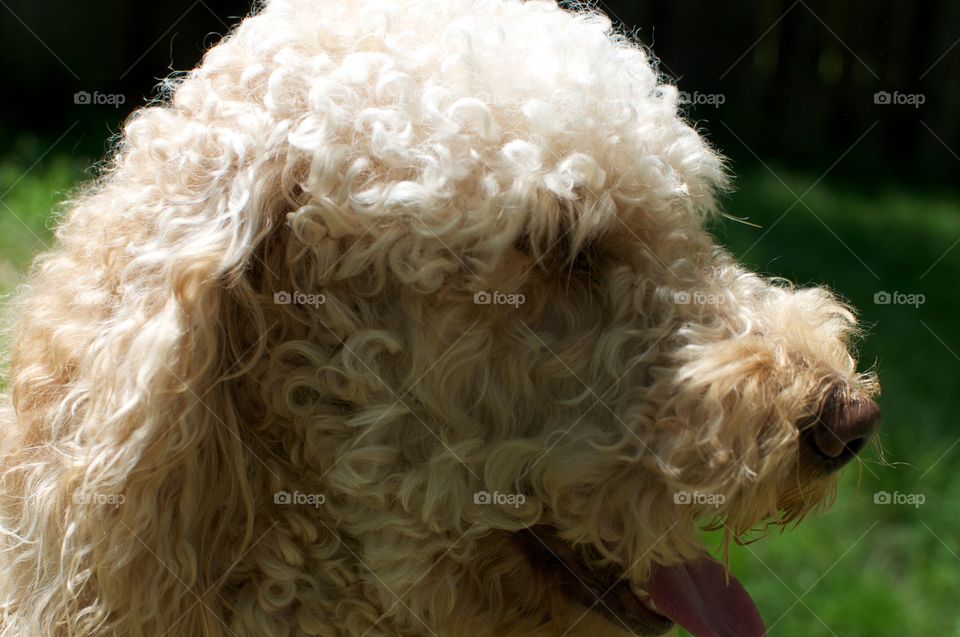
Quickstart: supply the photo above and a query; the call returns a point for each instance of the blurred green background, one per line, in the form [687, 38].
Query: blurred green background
[845, 188]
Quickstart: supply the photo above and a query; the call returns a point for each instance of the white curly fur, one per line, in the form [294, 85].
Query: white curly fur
[395, 157]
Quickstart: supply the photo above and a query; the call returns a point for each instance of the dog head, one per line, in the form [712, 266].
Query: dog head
[446, 264]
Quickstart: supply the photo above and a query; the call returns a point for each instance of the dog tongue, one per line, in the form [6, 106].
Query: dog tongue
[698, 596]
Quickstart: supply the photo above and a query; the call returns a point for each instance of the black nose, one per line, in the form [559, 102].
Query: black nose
[843, 427]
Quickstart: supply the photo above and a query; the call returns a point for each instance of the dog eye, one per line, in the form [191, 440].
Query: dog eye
[559, 254]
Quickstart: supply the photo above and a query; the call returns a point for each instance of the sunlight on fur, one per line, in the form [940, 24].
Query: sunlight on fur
[273, 288]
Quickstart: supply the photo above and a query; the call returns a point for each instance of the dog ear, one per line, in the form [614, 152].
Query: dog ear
[128, 479]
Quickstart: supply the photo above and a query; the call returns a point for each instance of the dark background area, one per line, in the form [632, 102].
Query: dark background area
[797, 78]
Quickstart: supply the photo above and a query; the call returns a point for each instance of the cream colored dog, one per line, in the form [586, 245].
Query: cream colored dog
[399, 318]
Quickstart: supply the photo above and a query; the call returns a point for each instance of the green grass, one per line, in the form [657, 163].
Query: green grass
[31, 187]
[861, 569]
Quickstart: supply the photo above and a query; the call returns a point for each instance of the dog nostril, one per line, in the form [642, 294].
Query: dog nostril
[844, 427]
[856, 446]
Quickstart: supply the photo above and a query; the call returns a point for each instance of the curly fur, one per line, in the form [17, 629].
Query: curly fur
[396, 157]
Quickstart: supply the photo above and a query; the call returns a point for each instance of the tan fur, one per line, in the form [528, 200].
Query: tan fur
[397, 158]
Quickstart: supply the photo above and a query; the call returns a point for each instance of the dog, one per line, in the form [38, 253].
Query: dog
[401, 317]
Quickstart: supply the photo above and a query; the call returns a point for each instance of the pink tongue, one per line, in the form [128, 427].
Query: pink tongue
[696, 595]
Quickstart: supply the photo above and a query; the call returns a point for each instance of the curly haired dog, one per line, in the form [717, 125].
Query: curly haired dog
[399, 317]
